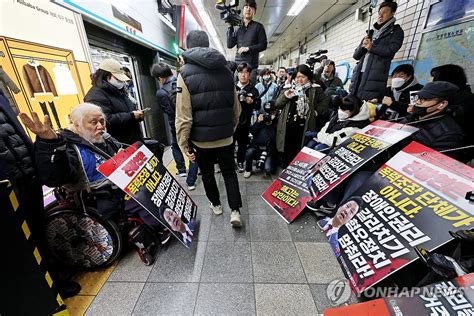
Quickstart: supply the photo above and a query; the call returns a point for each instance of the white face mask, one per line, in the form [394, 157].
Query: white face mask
[397, 82]
[342, 115]
[116, 83]
[266, 77]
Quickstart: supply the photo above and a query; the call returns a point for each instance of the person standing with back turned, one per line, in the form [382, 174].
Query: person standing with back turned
[207, 113]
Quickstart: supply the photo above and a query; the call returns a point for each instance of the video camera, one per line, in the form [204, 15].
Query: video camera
[228, 13]
[316, 57]
[269, 109]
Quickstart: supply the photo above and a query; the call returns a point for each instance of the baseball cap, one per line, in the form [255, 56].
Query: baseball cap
[438, 89]
[115, 68]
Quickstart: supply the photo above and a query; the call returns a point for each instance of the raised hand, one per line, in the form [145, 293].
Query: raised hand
[42, 130]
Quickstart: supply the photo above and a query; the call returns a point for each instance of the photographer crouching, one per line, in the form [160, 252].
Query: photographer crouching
[249, 101]
[263, 145]
[250, 39]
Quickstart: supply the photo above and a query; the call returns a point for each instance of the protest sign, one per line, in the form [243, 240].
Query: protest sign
[455, 297]
[288, 194]
[353, 153]
[414, 199]
[142, 176]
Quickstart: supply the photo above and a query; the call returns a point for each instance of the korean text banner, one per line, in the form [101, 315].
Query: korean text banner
[288, 194]
[353, 153]
[455, 297]
[415, 199]
[142, 176]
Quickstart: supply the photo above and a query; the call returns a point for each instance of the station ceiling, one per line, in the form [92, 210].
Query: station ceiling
[283, 32]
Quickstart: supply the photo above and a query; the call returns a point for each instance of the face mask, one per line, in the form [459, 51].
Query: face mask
[397, 82]
[266, 78]
[419, 111]
[117, 84]
[342, 115]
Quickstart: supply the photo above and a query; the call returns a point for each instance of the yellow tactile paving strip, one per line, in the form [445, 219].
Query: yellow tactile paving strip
[92, 282]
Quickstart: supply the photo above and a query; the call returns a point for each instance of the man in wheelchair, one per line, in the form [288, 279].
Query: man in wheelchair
[69, 159]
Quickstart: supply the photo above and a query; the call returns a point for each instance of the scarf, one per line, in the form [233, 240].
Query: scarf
[377, 32]
[302, 104]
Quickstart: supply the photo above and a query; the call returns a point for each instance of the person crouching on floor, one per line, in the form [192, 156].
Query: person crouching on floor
[263, 145]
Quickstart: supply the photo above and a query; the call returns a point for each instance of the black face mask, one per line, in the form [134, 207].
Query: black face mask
[419, 111]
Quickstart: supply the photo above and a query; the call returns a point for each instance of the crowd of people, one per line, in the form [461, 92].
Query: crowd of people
[214, 113]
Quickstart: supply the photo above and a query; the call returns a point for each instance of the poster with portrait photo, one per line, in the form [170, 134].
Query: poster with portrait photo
[143, 177]
[414, 199]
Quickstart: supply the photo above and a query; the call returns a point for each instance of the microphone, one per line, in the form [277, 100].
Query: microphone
[322, 51]
[107, 136]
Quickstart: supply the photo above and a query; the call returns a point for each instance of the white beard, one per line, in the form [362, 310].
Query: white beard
[90, 137]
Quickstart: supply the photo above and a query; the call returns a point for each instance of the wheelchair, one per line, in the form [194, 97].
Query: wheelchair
[80, 237]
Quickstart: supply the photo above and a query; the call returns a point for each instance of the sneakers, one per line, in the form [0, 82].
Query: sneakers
[235, 218]
[240, 166]
[191, 187]
[247, 174]
[217, 209]
[181, 173]
[321, 208]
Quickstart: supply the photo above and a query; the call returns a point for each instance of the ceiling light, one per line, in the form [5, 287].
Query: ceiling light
[297, 7]
[209, 25]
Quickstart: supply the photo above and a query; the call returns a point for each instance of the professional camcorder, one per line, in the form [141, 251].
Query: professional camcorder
[316, 57]
[228, 12]
[269, 111]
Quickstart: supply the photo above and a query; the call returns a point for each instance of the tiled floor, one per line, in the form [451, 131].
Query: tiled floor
[266, 267]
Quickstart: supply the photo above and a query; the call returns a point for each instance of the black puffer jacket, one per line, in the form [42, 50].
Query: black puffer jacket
[371, 83]
[212, 91]
[16, 149]
[440, 133]
[117, 107]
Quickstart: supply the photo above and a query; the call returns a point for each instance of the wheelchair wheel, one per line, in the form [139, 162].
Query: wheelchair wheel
[81, 240]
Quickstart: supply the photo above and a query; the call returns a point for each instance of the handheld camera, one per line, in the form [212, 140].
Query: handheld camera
[228, 12]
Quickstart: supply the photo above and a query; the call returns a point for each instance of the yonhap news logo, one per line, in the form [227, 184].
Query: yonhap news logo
[338, 292]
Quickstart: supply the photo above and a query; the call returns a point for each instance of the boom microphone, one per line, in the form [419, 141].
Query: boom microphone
[107, 136]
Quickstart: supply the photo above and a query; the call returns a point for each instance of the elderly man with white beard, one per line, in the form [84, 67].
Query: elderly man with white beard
[70, 158]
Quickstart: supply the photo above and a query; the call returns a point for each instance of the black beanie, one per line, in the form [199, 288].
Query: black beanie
[305, 70]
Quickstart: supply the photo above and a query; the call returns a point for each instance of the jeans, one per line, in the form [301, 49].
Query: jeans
[316, 146]
[206, 158]
[241, 137]
[253, 153]
[180, 163]
[177, 154]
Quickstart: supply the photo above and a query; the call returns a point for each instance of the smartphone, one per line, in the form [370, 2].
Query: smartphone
[413, 97]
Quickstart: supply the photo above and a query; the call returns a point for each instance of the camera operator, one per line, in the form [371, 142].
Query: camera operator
[375, 53]
[263, 145]
[250, 39]
[249, 101]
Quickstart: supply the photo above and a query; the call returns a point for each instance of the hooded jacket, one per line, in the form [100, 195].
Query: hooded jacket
[340, 130]
[207, 107]
[371, 83]
[118, 108]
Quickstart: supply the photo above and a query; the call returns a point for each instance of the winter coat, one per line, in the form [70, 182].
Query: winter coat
[264, 135]
[319, 103]
[332, 81]
[401, 105]
[166, 97]
[371, 83]
[118, 108]
[38, 80]
[212, 89]
[271, 94]
[71, 162]
[439, 133]
[341, 130]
